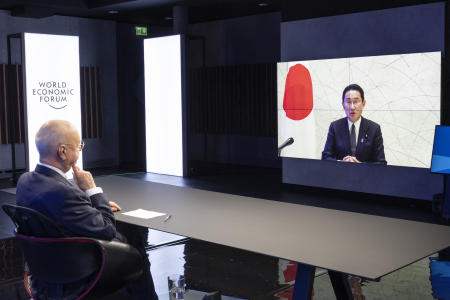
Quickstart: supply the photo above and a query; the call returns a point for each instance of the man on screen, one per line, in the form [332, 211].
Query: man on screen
[354, 138]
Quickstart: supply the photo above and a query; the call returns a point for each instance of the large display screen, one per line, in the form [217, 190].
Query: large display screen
[52, 85]
[440, 161]
[400, 109]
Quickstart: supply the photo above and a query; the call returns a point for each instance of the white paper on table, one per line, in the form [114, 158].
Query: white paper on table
[143, 214]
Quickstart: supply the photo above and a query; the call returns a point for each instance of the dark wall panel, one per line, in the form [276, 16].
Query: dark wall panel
[91, 102]
[249, 40]
[232, 122]
[131, 92]
[11, 104]
[392, 31]
[3, 106]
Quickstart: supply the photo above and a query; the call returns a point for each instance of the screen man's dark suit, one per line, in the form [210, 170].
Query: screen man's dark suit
[369, 146]
[49, 193]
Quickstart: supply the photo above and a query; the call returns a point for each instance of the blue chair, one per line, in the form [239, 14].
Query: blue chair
[440, 278]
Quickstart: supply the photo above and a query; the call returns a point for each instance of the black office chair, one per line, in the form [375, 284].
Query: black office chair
[60, 261]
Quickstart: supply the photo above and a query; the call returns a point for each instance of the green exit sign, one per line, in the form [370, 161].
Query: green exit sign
[141, 30]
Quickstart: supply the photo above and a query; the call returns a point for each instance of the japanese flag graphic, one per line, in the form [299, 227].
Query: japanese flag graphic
[298, 119]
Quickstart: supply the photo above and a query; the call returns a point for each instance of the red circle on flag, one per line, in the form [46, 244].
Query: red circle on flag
[298, 93]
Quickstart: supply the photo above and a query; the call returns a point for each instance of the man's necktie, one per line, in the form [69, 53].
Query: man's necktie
[353, 140]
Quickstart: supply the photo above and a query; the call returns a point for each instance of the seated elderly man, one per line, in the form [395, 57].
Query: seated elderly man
[80, 209]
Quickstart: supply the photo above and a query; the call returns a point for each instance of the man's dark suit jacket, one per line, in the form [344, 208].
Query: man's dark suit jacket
[78, 215]
[368, 149]
[49, 193]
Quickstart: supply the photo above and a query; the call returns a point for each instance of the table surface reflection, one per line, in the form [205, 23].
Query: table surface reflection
[359, 244]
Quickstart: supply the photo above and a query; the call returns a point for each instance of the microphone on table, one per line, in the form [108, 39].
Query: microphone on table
[286, 143]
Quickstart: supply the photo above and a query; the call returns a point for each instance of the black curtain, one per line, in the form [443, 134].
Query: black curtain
[239, 100]
[91, 102]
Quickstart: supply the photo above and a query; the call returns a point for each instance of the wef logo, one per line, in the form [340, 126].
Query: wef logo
[55, 94]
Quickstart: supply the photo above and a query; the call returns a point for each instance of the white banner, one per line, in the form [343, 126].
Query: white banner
[52, 85]
[163, 105]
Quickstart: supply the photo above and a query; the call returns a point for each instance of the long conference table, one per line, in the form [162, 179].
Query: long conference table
[342, 242]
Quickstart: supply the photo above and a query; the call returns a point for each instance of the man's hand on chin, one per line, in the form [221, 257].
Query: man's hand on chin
[83, 179]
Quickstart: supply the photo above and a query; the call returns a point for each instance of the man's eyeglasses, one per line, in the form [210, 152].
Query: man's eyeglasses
[80, 147]
[355, 103]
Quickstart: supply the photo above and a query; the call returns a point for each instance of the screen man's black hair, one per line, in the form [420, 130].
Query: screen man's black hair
[353, 87]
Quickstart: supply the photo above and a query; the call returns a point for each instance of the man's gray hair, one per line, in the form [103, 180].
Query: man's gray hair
[52, 134]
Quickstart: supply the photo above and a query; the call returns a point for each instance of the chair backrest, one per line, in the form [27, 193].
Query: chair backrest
[57, 259]
[31, 222]
[61, 260]
[50, 255]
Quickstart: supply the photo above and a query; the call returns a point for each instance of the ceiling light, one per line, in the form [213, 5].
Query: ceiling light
[263, 4]
[113, 12]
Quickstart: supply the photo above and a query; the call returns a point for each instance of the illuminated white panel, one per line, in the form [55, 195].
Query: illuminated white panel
[52, 79]
[163, 116]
